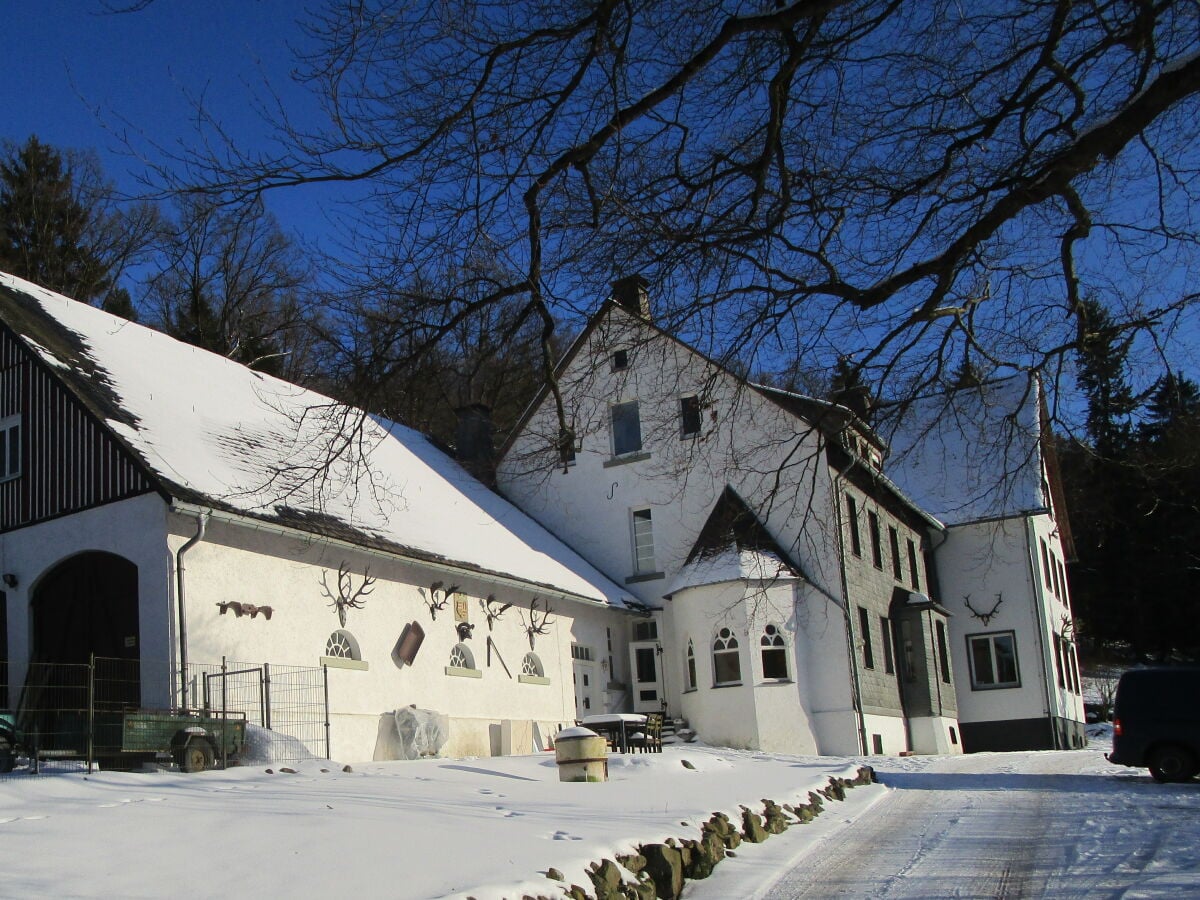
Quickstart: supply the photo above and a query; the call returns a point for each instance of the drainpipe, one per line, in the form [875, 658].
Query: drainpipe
[855, 687]
[201, 523]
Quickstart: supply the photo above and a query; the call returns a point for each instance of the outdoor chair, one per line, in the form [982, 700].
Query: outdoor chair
[648, 739]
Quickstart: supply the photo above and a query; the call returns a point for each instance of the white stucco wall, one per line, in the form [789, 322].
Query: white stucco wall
[134, 529]
[263, 568]
[1000, 559]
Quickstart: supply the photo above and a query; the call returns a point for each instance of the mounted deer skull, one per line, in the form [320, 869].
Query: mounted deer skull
[983, 617]
[537, 624]
[345, 596]
[492, 609]
[432, 601]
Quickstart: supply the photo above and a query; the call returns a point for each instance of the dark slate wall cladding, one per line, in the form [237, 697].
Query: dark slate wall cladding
[69, 462]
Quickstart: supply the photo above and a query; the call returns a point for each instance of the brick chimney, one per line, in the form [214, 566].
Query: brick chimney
[474, 444]
[632, 294]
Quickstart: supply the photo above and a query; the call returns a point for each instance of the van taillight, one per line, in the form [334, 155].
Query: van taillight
[1117, 727]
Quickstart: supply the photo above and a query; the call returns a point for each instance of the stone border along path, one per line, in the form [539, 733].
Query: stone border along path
[661, 870]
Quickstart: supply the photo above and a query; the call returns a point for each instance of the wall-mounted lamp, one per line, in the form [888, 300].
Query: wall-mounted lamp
[10, 579]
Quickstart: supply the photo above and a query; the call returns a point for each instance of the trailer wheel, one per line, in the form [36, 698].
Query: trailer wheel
[196, 755]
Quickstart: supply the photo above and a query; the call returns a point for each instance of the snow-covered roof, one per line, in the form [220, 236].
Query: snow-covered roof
[215, 433]
[733, 545]
[972, 453]
[731, 564]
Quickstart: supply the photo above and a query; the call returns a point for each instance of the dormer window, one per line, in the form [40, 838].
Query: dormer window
[10, 447]
[620, 360]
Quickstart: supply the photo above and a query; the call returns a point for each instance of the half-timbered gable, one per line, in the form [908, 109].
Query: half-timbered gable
[57, 457]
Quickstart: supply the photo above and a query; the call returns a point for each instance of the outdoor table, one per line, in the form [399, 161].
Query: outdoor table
[614, 726]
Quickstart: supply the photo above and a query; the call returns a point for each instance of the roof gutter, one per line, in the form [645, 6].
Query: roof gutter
[245, 521]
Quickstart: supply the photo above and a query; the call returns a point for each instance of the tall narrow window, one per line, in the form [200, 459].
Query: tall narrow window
[10, 447]
[876, 543]
[885, 636]
[864, 625]
[689, 666]
[727, 664]
[894, 546]
[1046, 564]
[943, 652]
[626, 428]
[774, 654]
[1058, 660]
[689, 416]
[852, 515]
[1054, 572]
[643, 541]
[620, 360]
[914, 575]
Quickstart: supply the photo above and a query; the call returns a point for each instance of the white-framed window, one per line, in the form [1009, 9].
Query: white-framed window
[531, 665]
[620, 360]
[993, 660]
[727, 660]
[626, 428]
[10, 447]
[643, 541]
[581, 652]
[689, 666]
[943, 652]
[689, 416]
[774, 654]
[461, 657]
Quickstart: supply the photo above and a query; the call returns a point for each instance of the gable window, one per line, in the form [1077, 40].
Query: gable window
[689, 666]
[864, 625]
[894, 544]
[727, 662]
[914, 576]
[885, 637]
[993, 660]
[774, 654]
[643, 541]
[10, 447]
[626, 428]
[876, 543]
[943, 651]
[689, 416]
[566, 447]
[855, 537]
[620, 360]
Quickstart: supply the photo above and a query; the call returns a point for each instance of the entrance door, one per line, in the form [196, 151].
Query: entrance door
[645, 665]
[585, 688]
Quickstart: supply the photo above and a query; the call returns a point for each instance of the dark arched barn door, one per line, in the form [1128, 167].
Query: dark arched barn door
[88, 606]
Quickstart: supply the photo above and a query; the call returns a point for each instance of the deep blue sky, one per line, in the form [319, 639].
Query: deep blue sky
[78, 78]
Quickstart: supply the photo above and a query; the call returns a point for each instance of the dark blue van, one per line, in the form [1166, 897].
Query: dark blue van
[1156, 721]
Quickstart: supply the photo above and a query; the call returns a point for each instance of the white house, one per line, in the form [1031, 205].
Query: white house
[165, 505]
[982, 460]
[793, 607]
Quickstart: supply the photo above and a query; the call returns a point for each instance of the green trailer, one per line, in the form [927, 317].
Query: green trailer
[195, 740]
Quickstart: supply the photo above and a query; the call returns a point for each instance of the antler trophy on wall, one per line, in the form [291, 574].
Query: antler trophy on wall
[344, 596]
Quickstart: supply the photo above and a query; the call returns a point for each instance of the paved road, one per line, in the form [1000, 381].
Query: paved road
[1013, 826]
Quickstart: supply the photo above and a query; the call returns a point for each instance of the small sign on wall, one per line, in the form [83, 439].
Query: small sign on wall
[460, 607]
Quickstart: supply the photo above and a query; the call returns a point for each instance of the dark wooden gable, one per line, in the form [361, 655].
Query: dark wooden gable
[69, 460]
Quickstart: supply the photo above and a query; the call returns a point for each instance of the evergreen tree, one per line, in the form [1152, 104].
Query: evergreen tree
[1102, 358]
[44, 228]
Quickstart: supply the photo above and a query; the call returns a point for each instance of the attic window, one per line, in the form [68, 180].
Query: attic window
[10, 447]
[689, 416]
[620, 360]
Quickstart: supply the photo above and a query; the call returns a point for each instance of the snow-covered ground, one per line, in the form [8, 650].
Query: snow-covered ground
[492, 827]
